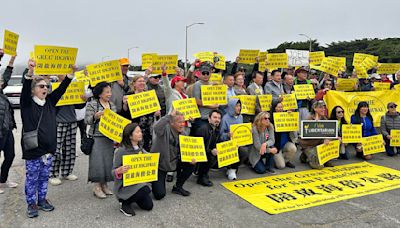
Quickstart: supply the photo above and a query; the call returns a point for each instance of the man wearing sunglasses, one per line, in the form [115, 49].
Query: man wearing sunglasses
[154, 84]
[390, 121]
[120, 87]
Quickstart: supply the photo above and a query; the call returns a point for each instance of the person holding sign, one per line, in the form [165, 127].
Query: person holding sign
[256, 88]
[263, 144]
[38, 114]
[120, 87]
[101, 157]
[166, 142]
[153, 83]
[326, 86]
[390, 121]
[363, 116]
[275, 86]
[338, 114]
[240, 88]
[304, 105]
[136, 193]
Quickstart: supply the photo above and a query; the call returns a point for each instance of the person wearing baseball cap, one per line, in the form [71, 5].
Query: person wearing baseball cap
[390, 121]
[120, 87]
[301, 78]
[153, 83]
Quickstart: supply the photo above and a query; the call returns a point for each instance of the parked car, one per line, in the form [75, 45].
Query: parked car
[13, 90]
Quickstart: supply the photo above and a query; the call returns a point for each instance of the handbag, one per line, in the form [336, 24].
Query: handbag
[30, 139]
[87, 143]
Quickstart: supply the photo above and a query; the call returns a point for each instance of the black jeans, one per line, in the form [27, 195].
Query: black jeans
[7, 146]
[141, 198]
[184, 171]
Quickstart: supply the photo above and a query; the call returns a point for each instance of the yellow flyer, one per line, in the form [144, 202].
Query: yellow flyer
[277, 60]
[316, 57]
[10, 43]
[192, 147]
[265, 102]
[304, 91]
[388, 68]
[346, 84]
[379, 86]
[73, 95]
[109, 71]
[170, 61]
[330, 66]
[227, 153]
[147, 59]
[215, 78]
[241, 134]
[373, 144]
[112, 125]
[188, 107]
[143, 168]
[351, 133]
[221, 63]
[248, 56]
[53, 60]
[359, 58]
[395, 140]
[369, 63]
[214, 94]
[289, 101]
[82, 77]
[328, 152]
[361, 72]
[143, 103]
[206, 56]
[248, 103]
[286, 121]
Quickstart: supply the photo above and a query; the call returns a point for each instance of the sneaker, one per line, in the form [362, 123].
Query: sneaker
[205, 181]
[71, 177]
[55, 181]
[8, 184]
[270, 171]
[170, 178]
[231, 174]
[180, 191]
[45, 205]
[127, 210]
[329, 164]
[32, 211]
[290, 165]
[1, 191]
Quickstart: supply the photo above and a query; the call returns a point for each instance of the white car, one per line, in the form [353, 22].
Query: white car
[13, 90]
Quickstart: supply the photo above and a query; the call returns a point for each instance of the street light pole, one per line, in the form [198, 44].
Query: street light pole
[128, 53]
[186, 43]
[309, 39]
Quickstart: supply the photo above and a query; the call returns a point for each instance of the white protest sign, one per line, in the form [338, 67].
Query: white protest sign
[298, 57]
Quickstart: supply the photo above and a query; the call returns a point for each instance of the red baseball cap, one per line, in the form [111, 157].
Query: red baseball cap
[175, 79]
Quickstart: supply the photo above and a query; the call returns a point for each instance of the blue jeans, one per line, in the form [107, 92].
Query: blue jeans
[261, 167]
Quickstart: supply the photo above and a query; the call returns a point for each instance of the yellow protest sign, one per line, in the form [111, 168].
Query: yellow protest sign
[377, 101]
[316, 57]
[214, 94]
[361, 72]
[53, 60]
[143, 168]
[188, 107]
[192, 147]
[328, 152]
[379, 86]
[369, 63]
[373, 144]
[248, 56]
[286, 121]
[221, 63]
[10, 43]
[395, 140]
[73, 94]
[277, 60]
[81, 77]
[289, 101]
[330, 66]
[359, 58]
[265, 102]
[147, 59]
[215, 78]
[143, 103]
[262, 61]
[315, 67]
[241, 134]
[248, 103]
[351, 133]
[304, 91]
[112, 125]
[170, 61]
[346, 84]
[227, 153]
[388, 68]
[206, 56]
[299, 190]
[109, 71]
[341, 61]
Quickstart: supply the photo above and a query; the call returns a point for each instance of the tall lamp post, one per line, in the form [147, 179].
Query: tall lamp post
[128, 53]
[309, 39]
[186, 47]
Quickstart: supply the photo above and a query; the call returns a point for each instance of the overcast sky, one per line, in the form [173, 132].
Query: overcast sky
[108, 28]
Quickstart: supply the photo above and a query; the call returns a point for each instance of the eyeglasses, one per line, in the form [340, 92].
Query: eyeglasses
[205, 73]
[266, 118]
[157, 77]
[393, 106]
[339, 112]
[42, 86]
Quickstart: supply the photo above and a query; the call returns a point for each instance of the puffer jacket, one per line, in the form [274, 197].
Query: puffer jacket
[390, 122]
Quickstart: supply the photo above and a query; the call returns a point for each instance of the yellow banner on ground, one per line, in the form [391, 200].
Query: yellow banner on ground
[286, 121]
[188, 107]
[369, 63]
[170, 61]
[328, 152]
[221, 63]
[143, 168]
[265, 102]
[316, 57]
[73, 94]
[53, 60]
[241, 134]
[147, 59]
[227, 153]
[143, 103]
[10, 43]
[361, 72]
[206, 56]
[248, 103]
[289, 101]
[377, 101]
[373, 144]
[248, 56]
[346, 84]
[112, 125]
[358, 58]
[109, 71]
[214, 94]
[351, 133]
[299, 190]
[397, 87]
[304, 91]
[388, 68]
[277, 60]
[379, 86]
[215, 78]
[395, 140]
[192, 148]
[81, 77]
[330, 66]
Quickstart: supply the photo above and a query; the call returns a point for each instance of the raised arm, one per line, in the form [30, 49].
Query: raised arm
[26, 94]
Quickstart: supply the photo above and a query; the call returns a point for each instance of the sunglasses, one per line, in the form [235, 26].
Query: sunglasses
[42, 86]
[339, 111]
[266, 118]
[157, 77]
[205, 73]
[392, 106]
